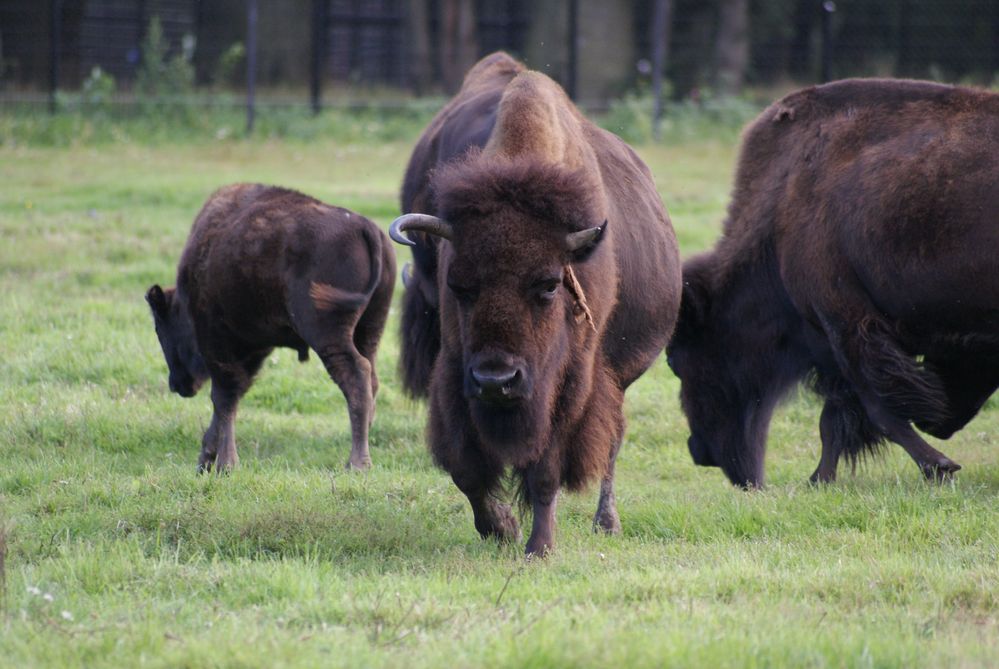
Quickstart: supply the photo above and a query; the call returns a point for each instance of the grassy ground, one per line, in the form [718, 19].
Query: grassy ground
[116, 554]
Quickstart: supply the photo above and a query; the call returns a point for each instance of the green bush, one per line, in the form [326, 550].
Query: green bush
[162, 81]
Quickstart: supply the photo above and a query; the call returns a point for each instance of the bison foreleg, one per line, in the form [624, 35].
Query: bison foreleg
[230, 381]
[218, 446]
[606, 518]
[542, 487]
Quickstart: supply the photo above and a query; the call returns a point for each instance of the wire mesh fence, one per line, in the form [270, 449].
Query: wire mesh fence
[412, 46]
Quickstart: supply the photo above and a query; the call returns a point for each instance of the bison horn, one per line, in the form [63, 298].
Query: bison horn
[421, 223]
[575, 241]
[407, 275]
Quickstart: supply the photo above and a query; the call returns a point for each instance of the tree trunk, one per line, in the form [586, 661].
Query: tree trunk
[418, 26]
[458, 49]
[800, 57]
[731, 46]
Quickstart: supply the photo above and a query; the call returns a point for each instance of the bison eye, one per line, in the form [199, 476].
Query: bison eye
[546, 289]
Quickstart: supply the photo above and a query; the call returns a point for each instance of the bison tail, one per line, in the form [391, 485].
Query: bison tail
[326, 297]
[907, 389]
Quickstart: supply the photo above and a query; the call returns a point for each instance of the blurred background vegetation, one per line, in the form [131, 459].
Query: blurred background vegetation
[162, 69]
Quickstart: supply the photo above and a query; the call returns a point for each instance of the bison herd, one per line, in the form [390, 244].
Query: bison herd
[860, 254]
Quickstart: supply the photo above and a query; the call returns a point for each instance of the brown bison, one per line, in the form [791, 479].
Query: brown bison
[861, 252]
[266, 267]
[555, 269]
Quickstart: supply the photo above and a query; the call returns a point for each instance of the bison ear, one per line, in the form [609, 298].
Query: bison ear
[694, 303]
[582, 244]
[157, 300]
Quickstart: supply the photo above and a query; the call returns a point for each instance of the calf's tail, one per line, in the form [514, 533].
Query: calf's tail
[326, 297]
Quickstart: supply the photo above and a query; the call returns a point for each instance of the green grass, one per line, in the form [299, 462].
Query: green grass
[116, 554]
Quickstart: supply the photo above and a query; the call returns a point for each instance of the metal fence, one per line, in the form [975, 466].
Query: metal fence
[46, 45]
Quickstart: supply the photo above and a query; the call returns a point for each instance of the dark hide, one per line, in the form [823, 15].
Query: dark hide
[859, 253]
[266, 267]
[532, 371]
[464, 122]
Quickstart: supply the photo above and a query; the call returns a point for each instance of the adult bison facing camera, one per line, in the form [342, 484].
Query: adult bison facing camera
[861, 252]
[551, 259]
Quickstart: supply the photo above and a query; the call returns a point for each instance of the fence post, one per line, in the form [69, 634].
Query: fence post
[573, 48]
[251, 62]
[828, 7]
[319, 20]
[55, 47]
[660, 26]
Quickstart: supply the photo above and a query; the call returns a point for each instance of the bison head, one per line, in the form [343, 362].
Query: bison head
[508, 294]
[734, 360]
[176, 334]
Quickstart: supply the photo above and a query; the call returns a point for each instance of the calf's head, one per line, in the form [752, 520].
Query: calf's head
[176, 334]
[514, 233]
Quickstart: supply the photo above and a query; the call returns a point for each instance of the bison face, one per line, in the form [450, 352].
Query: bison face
[176, 335]
[720, 353]
[507, 317]
[514, 330]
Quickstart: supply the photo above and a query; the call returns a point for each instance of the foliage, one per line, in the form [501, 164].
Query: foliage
[119, 555]
[97, 92]
[163, 81]
[227, 69]
[631, 117]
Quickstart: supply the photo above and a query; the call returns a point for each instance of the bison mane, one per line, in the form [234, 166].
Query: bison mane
[480, 185]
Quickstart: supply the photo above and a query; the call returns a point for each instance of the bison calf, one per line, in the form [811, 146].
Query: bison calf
[266, 267]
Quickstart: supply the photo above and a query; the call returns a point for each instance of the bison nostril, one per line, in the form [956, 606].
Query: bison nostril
[496, 383]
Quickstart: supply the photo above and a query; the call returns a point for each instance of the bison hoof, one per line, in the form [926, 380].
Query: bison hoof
[358, 464]
[500, 524]
[607, 522]
[538, 548]
[205, 463]
[820, 476]
[940, 471]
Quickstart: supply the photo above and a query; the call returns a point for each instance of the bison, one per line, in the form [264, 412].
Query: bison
[545, 281]
[859, 254]
[266, 267]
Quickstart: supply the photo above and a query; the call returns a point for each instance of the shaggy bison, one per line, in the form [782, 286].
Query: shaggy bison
[860, 253]
[546, 248]
[266, 267]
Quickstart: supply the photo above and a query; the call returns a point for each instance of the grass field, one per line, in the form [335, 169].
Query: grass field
[114, 553]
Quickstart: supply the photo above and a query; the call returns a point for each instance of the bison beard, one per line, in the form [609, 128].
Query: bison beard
[858, 254]
[546, 268]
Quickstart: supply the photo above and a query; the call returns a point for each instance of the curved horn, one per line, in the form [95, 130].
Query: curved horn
[421, 223]
[575, 241]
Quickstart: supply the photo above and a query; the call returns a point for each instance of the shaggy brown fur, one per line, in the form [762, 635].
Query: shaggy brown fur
[862, 235]
[465, 121]
[506, 306]
[266, 267]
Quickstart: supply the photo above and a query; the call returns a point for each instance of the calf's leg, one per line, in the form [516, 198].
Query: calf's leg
[230, 382]
[352, 372]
